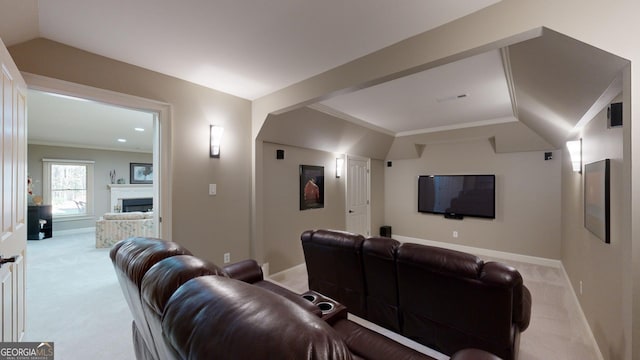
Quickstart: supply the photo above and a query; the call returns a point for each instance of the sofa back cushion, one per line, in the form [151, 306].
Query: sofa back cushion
[379, 261]
[451, 300]
[134, 215]
[213, 317]
[132, 258]
[334, 267]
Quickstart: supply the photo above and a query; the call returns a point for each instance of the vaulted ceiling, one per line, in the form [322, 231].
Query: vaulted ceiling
[539, 89]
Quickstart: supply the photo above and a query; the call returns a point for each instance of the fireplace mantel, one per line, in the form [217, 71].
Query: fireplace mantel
[127, 191]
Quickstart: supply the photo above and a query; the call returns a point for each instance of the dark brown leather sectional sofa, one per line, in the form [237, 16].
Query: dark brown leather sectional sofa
[447, 300]
[187, 308]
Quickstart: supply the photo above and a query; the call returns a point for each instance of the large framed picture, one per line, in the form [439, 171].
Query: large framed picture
[140, 173]
[311, 187]
[596, 199]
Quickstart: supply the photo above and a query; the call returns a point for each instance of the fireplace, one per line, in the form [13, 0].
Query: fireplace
[137, 204]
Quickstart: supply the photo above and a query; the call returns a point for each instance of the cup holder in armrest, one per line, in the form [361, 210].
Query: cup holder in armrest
[325, 306]
[330, 310]
[310, 297]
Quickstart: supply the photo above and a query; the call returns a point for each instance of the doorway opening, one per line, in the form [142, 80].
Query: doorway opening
[147, 146]
[85, 158]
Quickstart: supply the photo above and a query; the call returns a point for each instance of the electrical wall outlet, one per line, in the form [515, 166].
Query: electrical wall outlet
[227, 258]
[455, 233]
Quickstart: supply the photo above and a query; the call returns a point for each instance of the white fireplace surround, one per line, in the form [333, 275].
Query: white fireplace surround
[127, 191]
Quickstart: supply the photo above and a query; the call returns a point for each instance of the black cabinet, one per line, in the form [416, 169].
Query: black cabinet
[39, 221]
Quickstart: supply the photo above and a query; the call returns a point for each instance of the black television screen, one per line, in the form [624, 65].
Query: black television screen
[457, 195]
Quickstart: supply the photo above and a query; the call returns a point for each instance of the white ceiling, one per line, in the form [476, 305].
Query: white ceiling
[471, 91]
[63, 120]
[253, 48]
[245, 48]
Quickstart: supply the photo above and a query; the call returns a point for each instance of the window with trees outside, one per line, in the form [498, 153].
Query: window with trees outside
[68, 187]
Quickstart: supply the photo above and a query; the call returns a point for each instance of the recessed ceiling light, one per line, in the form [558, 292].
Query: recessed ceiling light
[138, 129]
[122, 140]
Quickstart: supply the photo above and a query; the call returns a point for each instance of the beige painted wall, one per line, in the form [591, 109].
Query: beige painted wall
[105, 161]
[208, 225]
[284, 221]
[377, 195]
[588, 259]
[606, 26]
[527, 199]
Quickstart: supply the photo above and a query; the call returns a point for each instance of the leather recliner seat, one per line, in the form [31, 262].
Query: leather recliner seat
[213, 317]
[334, 265]
[451, 300]
[159, 284]
[132, 258]
[445, 299]
[379, 267]
[191, 309]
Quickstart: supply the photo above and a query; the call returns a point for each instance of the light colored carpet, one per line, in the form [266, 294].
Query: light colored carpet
[558, 329]
[74, 299]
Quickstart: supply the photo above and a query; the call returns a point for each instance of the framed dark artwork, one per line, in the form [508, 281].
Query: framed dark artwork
[140, 173]
[596, 199]
[311, 187]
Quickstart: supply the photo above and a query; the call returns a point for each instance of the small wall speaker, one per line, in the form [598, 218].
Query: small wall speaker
[614, 115]
[548, 155]
[389, 164]
[279, 154]
[385, 231]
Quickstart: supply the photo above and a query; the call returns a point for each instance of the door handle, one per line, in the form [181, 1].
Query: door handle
[4, 260]
[350, 211]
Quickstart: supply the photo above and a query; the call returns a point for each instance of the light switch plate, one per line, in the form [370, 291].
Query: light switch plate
[212, 189]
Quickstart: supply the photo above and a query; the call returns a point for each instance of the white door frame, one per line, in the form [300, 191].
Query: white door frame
[346, 191]
[162, 138]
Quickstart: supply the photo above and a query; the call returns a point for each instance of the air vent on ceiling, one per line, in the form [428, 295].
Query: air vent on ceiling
[452, 98]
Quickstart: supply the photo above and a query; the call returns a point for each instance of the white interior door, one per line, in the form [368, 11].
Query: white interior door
[358, 218]
[13, 180]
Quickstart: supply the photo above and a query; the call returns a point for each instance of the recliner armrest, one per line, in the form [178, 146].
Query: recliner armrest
[245, 270]
[523, 322]
[368, 344]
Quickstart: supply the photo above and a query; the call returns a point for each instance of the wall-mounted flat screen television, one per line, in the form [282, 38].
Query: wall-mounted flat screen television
[456, 196]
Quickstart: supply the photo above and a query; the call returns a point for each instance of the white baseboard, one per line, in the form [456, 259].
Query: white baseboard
[73, 231]
[265, 269]
[483, 252]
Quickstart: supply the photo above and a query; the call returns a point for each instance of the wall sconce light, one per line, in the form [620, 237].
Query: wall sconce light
[339, 166]
[215, 133]
[575, 151]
